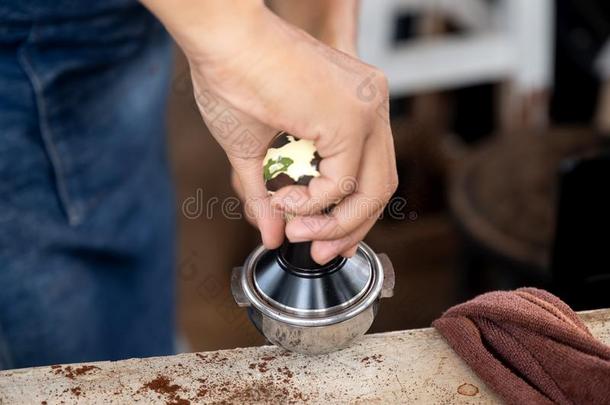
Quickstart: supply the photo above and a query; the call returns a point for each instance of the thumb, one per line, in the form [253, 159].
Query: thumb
[257, 202]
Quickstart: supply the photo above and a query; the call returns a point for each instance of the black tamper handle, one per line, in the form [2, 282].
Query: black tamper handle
[298, 255]
[292, 161]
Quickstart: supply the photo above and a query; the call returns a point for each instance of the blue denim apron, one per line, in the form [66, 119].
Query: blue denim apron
[86, 204]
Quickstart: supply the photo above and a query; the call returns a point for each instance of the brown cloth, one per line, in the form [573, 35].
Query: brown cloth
[529, 347]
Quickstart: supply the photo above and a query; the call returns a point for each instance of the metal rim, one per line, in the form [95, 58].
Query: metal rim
[337, 314]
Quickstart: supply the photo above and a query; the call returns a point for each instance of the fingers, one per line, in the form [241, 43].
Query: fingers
[236, 183]
[350, 252]
[349, 222]
[245, 150]
[376, 186]
[239, 190]
[323, 251]
[258, 208]
[343, 143]
[343, 220]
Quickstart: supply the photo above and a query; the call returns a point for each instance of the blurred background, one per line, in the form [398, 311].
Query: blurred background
[501, 115]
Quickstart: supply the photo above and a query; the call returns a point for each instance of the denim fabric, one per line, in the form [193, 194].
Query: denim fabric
[86, 204]
[49, 10]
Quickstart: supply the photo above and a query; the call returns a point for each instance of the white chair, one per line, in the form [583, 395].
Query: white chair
[508, 41]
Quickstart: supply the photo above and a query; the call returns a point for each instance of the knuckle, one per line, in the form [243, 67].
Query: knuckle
[381, 82]
[372, 92]
[391, 188]
[386, 189]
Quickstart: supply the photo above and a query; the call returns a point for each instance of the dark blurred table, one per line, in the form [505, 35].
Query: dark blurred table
[503, 194]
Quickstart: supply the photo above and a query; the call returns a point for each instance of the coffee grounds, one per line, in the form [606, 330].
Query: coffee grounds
[376, 358]
[85, 369]
[262, 366]
[163, 386]
[72, 373]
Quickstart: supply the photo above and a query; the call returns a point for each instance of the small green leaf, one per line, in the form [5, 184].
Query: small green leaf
[274, 167]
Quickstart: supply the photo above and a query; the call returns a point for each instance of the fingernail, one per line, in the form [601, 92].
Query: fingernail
[297, 236]
[290, 200]
[297, 239]
[322, 261]
[322, 257]
[296, 231]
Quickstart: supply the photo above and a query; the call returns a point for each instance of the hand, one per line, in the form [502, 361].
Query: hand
[273, 76]
[333, 23]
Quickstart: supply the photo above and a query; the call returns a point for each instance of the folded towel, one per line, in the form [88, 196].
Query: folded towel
[529, 347]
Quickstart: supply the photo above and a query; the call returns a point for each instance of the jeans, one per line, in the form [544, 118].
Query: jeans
[87, 218]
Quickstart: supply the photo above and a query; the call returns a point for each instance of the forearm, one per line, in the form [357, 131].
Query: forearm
[334, 22]
[205, 25]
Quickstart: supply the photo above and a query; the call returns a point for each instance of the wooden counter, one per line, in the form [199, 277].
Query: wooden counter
[414, 366]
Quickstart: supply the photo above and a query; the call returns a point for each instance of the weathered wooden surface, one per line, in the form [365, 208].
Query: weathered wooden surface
[399, 367]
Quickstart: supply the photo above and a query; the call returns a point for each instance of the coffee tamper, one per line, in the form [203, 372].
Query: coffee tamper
[292, 300]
